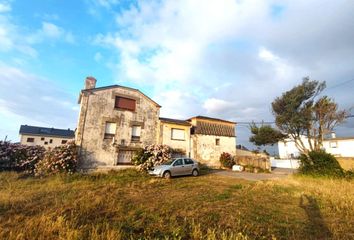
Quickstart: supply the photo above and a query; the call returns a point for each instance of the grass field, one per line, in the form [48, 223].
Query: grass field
[129, 205]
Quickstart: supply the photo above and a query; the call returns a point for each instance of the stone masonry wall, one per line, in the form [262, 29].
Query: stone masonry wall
[97, 108]
[206, 151]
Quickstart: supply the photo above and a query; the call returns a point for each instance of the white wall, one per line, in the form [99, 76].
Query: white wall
[285, 163]
[343, 147]
[288, 149]
[56, 141]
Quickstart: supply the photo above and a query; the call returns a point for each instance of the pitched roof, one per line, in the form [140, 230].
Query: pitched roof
[118, 86]
[43, 131]
[214, 128]
[212, 119]
[338, 138]
[175, 121]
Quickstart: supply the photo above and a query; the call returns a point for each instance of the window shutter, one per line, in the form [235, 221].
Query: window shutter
[125, 103]
[110, 128]
[178, 134]
[136, 131]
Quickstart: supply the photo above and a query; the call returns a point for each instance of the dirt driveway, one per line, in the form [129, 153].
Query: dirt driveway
[277, 173]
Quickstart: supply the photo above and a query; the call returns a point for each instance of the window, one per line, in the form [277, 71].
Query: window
[110, 130]
[178, 162]
[217, 142]
[177, 134]
[42, 139]
[30, 139]
[136, 131]
[188, 161]
[45, 143]
[64, 141]
[333, 145]
[51, 141]
[125, 103]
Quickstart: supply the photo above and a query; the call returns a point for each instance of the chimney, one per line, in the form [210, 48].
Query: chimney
[333, 135]
[90, 82]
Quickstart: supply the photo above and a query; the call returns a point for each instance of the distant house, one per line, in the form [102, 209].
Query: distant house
[338, 146]
[46, 137]
[115, 121]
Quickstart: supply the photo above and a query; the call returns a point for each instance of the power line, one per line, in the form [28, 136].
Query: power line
[339, 84]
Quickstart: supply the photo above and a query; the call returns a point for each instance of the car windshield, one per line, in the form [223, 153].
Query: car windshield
[168, 163]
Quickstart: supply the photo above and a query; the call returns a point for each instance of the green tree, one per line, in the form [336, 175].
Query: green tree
[265, 135]
[301, 112]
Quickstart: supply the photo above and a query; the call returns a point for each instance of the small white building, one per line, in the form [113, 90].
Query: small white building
[46, 137]
[338, 146]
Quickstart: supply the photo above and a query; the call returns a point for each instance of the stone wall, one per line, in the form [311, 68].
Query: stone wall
[205, 150]
[255, 161]
[97, 108]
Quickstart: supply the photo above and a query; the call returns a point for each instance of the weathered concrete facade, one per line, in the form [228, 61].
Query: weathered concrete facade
[98, 109]
[210, 138]
[115, 121]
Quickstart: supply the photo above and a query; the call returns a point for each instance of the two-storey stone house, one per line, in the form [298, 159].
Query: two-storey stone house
[115, 121]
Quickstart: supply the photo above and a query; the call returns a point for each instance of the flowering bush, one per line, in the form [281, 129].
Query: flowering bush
[19, 157]
[60, 159]
[152, 155]
[226, 160]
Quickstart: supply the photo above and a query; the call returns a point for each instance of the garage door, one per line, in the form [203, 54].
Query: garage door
[124, 157]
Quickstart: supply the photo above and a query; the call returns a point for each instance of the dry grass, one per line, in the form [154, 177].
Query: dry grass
[347, 163]
[128, 205]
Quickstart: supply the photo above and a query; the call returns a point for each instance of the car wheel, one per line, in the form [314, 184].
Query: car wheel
[195, 172]
[167, 174]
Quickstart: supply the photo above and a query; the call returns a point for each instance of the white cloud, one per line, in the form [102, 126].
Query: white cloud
[51, 31]
[29, 99]
[216, 106]
[221, 52]
[5, 7]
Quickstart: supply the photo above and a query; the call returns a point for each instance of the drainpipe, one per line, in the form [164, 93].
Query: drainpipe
[84, 123]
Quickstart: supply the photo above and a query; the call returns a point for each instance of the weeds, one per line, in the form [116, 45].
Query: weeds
[131, 205]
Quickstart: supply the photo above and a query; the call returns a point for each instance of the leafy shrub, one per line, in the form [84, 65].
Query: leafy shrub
[19, 157]
[152, 155]
[140, 156]
[60, 159]
[226, 160]
[320, 163]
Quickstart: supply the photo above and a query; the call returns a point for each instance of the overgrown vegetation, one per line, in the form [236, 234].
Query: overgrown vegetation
[36, 159]
[265, 135]
[61, 159]
[227, 160]
[320, 163]
[152, 155]
[131, 205]
[301, 112]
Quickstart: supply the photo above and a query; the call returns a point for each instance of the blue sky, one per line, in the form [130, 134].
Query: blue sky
[221, 58]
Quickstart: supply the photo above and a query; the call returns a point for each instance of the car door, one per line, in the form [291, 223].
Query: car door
[177, 167]
[188, 166]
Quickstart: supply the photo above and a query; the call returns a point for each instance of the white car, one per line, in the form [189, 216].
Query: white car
[176, 167]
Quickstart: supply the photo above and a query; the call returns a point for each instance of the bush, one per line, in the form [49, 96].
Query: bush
[61, 159]
[152, 155]
[320, 163]
[226, 160]
[140, 157]
[17, 157]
